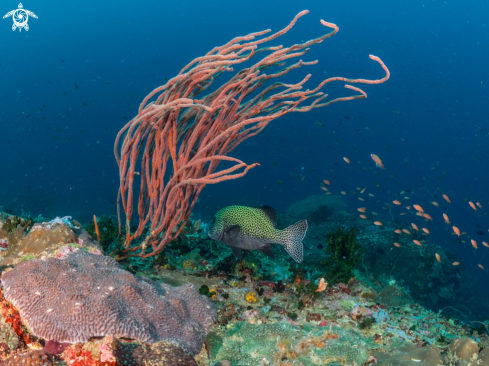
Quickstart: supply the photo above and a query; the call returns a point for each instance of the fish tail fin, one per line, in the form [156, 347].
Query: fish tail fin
[291, 238]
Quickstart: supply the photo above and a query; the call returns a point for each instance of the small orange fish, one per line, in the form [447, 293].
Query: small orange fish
[374, 213]
[478, 204]
[363, 217]
[446, 198]
[363, 190]
[378, 223]
[427, 217]
[472, 205]
[485, 244]
[438, 257]
[408, 207]
[397, 245]
[360, 199]
[343, 192]
[396, 202]
[406, 231]
[455, 263]
[435, 203]
[326, 182]
[371, 195]
[362, 209]
[474, 243]
[415, 227]
[446, 219]
[324, 188]
[418, 208]
[322, 285]
[417, 242]
[456, 231]
[426, 231]
[377, 160]
[419, 213]
[397, 231]
[481, 266]
[402, 214]
[347, 160]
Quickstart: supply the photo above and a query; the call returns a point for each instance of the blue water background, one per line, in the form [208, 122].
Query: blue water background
[428, 123]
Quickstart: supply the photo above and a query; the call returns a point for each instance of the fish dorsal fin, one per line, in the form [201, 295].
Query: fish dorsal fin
[270, 212]
[233, 231]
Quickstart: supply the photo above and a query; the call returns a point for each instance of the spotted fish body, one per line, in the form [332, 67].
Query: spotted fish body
[252, 228]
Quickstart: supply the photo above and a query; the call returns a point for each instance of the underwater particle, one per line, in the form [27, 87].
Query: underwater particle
[347, 160]
[480, 233]
[251, 297]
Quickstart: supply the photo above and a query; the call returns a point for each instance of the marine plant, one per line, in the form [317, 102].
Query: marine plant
[174, 145]
[343, 254]
[204, 290]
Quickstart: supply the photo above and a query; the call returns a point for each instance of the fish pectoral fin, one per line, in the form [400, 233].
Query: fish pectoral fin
[237, 252]
[267, 250]
[233, 231]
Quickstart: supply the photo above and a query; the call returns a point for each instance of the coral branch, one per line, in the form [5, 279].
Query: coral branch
[174, 146]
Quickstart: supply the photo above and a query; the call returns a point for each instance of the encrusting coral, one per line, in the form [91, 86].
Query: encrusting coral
[85, 295]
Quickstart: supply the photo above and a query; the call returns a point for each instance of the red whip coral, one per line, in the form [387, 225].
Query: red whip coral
[174, 145]
[85, 295]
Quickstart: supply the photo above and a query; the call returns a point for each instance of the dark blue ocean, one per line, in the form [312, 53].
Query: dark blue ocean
[75, 78]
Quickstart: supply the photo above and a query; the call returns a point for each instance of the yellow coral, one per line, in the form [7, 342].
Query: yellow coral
[251, 297]
[189, 264]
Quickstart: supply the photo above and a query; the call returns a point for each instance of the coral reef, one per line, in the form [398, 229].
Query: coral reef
[309, 205]
[106, 300]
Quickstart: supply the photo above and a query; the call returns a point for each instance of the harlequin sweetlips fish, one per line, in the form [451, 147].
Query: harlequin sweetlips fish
[253, 228]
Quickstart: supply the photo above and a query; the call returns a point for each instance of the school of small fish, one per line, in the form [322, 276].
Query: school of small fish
[419, 211]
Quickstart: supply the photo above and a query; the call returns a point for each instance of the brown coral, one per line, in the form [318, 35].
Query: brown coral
[34, 358]
[163, 354]
[85, 295]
